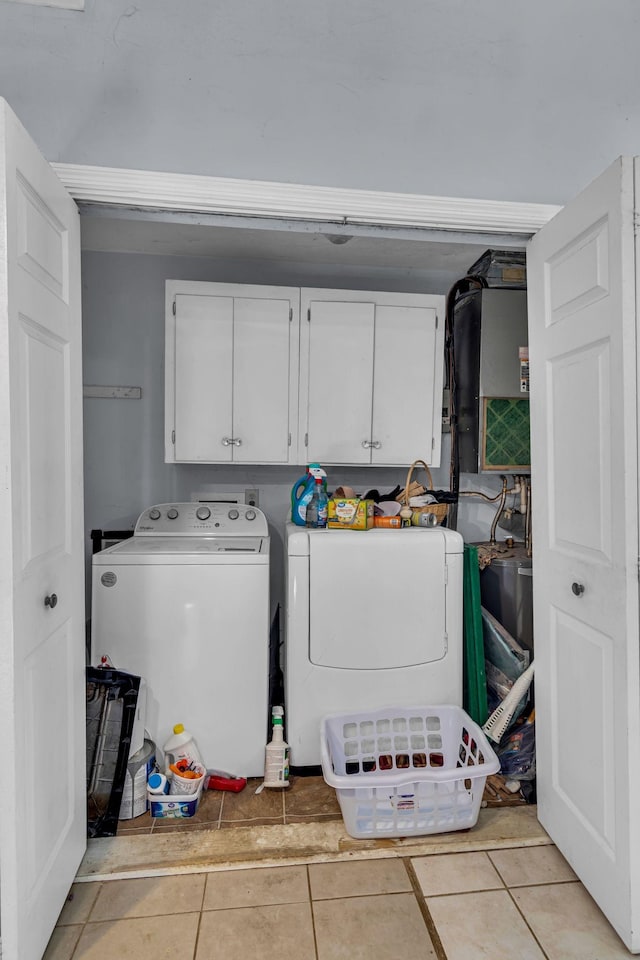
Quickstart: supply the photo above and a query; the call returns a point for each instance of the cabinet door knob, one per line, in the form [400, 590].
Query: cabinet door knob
[578, 589]
[376, 444]
[231, 442]
[366, 444]
[51, 601]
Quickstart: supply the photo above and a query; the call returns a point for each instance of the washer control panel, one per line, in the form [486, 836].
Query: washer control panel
[202, 520]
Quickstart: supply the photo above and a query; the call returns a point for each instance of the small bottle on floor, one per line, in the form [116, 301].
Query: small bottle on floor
[276, 767]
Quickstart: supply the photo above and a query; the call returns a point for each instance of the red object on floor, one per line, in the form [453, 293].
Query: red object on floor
[219, 780]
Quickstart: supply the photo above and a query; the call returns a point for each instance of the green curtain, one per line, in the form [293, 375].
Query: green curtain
[474, 677]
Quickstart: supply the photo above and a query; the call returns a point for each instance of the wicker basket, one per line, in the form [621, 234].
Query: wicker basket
[439, 510]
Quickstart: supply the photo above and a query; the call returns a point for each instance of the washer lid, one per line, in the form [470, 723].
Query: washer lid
[185, 549]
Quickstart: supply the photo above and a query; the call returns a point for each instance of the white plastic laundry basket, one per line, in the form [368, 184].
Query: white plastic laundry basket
[406, 771]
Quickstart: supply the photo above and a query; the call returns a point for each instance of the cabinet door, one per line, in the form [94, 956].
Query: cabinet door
[340, 381]
[261, 361]
[203, 378]
[406, 376]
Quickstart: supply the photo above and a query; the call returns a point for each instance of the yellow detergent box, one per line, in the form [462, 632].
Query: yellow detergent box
[349, 514]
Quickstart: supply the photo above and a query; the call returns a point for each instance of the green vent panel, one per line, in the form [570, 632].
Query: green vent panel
[506, 438]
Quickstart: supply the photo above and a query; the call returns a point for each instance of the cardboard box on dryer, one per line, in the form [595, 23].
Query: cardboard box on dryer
[349, 513]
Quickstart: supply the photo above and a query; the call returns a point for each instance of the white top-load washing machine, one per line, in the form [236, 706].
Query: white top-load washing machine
[373, 619]
[184, 603]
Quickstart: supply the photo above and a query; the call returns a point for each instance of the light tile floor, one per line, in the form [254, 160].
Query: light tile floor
[517, 904]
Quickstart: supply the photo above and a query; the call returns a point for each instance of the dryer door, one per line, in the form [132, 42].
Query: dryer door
[377, 599]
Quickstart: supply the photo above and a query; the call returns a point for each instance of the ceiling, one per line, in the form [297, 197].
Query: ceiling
[235, 238]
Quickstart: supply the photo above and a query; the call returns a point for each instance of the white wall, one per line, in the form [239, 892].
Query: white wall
[513, 101]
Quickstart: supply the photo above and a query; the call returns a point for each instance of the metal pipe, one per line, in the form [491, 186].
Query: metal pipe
[503, 497]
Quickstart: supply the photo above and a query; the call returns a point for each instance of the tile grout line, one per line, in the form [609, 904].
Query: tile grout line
[73, 952]
[424, 910]
[313, 915]
[83, 926]
[197, 940]
[526, 922]
[513, 901]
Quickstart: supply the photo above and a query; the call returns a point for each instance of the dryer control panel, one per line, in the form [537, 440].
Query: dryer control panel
[202, 520]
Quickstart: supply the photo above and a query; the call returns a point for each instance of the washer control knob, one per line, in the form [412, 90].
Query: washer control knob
[234, 514]
[250, 514]
[203, 513]
[154, 514]
[172, 514]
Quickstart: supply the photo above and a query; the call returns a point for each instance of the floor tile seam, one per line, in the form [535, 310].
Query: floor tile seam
[423, 907]
[310, 899]
[204, 894]
[77, 943]
[466, 893]
[527, 924]
[93, 906]
[542, 883]
[250, 906]
[312, 912]
[176, 825]
[360, 896]
[312, 817]
[267, 821]
[145, 916]
[197, 940]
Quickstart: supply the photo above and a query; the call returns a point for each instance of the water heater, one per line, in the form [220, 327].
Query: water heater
[491, 363]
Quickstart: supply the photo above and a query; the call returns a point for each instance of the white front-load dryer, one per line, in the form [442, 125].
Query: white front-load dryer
[184, 603]
[373, 619]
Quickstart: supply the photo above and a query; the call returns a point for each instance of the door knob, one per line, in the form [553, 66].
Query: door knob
[51, 600]
[578, 589]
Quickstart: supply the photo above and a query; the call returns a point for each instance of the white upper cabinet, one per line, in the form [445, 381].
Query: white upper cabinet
[231, 373]
[371, 371]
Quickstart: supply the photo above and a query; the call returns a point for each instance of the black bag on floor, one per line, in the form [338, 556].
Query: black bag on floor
[112, 698]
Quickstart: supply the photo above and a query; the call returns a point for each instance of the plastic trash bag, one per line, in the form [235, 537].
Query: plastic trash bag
[517, 753]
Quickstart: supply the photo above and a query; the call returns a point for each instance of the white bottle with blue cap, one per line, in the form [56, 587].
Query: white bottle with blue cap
[158, 783]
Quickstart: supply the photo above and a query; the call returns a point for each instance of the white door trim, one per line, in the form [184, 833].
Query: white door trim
[260, 198]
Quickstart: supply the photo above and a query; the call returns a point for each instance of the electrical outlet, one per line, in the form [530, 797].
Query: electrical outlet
[252, 497]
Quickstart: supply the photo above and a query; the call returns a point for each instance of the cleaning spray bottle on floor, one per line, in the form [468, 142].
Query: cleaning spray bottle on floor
[276, 766]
